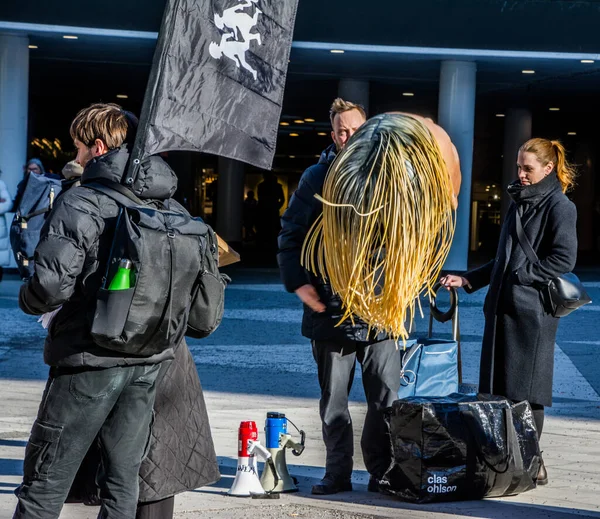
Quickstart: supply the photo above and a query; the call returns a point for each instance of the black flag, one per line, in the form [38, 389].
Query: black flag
[217, 79]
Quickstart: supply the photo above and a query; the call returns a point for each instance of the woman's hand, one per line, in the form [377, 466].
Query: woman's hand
[454, 281]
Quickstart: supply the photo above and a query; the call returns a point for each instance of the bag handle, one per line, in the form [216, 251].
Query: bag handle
[443, 317]
[511, 442]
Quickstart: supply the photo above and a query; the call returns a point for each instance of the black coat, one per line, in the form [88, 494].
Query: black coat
[181, 455]
[302, 212]
[71, 258]
[517, 357]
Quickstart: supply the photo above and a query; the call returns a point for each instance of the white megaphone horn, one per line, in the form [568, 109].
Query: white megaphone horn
[246, 481]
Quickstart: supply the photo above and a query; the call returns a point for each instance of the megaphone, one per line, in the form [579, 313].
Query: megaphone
[246, 481]
[275, 476]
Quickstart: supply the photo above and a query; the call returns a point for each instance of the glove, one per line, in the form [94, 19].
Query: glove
[46, 319]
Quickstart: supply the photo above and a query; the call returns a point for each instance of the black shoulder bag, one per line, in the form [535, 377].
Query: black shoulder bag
[564, 293]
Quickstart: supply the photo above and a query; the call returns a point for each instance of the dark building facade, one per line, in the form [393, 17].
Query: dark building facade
[492, 72]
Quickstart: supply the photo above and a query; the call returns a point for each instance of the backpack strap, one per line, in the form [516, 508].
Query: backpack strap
[117, 192]
[120, 193]
[523, 240]
[35, 213]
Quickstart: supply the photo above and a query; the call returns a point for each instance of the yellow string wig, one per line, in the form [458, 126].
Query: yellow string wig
[387, 222]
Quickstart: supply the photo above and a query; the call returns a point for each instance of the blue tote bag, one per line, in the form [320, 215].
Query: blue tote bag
[431, 366]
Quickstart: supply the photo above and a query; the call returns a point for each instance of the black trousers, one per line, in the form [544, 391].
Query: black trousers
[538, 416]
[113, 404]
[162, 509]
[336, 363]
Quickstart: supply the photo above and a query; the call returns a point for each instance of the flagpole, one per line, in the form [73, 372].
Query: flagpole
[156, 77]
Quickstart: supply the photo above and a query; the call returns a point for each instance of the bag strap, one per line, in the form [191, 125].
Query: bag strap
[442, 317]
[45, 210]
[406, 358]
[512, 443]
[117, 192]
[35, 213]
[523, 240]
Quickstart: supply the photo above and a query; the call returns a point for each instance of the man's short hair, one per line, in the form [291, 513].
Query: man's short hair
[340, 105]
[105, 121]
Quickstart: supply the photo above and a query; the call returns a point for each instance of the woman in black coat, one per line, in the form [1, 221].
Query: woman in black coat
[181, 454]
[517, 357]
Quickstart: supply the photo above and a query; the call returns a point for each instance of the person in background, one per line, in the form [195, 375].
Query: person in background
[250, 207]
[35, 167]
[270, 201]
[71, 175]
[517, 356]
[5, 205]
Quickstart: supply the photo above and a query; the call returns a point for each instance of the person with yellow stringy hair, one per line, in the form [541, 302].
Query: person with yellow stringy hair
[333, 250]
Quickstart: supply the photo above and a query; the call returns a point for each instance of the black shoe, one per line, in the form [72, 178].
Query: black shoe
[542, 477]
[331, 485]
[374, 484]
[378, 485]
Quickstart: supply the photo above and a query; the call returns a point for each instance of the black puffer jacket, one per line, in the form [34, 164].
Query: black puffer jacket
[71, 258]
[297, 220]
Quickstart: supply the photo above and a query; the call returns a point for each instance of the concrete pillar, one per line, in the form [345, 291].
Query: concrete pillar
[456, 114]
[517, 130]
[230, 198]
[14, 100]
[355, 90]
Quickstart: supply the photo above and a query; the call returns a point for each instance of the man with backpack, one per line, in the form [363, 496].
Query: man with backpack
[94, 391]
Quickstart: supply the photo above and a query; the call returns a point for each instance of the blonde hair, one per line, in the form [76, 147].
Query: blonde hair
[340, 106]
[104, 121]
[387, 222]
[547, 151]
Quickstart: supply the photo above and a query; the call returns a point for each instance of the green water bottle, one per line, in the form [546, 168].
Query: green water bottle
[122, 279]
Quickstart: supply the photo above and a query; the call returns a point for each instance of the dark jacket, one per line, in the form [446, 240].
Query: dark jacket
[181, 455]
[71, 258]
[296, 222]
[517, 358]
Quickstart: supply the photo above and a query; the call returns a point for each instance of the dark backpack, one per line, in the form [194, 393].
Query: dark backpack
[37, 201]
[176, 288]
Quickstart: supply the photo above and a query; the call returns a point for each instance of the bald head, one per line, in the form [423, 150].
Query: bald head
[449, 153]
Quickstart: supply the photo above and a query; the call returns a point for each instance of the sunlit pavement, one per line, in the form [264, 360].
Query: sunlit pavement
[257, 361]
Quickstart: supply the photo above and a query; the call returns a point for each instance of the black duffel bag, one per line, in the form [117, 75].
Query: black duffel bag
[460, 447]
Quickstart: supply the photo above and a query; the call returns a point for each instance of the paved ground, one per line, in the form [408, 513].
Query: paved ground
[257, 362]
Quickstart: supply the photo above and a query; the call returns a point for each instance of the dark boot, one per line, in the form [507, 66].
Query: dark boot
[331, 484]
[542, 477]
[373, 485]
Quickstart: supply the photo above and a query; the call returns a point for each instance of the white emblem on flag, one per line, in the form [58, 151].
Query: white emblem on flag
[235, 26]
